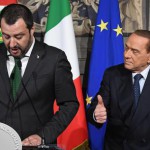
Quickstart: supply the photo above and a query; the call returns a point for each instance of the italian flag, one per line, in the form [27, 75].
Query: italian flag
[4, 3]
[60, 34]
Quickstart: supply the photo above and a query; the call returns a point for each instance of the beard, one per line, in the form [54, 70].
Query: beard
[20, 50]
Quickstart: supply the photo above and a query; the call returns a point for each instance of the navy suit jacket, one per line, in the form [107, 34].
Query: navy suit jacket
[126, 129]
[47, 77]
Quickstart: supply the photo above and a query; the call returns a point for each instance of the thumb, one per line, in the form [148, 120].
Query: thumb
[100, 100]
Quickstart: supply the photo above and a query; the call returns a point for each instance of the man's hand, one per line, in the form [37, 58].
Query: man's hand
[100, 113]
[33, 140]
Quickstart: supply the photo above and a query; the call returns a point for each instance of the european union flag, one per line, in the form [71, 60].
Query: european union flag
[107, 50]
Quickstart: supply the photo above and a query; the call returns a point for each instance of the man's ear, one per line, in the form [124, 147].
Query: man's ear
[33, 29]
[148, 61]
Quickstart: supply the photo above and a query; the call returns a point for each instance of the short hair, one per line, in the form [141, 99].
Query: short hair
[13, 12]
[145, 34]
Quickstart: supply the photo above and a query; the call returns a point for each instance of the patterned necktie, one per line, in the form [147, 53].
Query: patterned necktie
[16, 77]
[136, 87]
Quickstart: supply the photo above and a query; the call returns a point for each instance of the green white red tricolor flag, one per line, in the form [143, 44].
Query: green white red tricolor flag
[4, 3]
[60, 34]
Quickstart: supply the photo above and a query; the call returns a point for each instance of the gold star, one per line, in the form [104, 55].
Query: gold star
[88, 100]
[118, 30]
[103, 25]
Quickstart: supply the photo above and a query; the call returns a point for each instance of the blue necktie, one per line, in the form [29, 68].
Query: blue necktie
[136, 87]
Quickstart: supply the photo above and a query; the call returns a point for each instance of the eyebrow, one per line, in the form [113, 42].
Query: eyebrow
[131, 47]
[21, 33]
[14, 35]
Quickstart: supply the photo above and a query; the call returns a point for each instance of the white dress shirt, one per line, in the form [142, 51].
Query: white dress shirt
[144, 73]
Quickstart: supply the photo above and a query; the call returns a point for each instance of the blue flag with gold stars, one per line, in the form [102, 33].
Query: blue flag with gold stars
[107, 50]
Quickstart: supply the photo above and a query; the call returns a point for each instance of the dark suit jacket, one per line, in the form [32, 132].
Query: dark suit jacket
[47, 77]
[126, 129]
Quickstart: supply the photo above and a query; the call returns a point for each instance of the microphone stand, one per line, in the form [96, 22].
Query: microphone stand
[43, 146]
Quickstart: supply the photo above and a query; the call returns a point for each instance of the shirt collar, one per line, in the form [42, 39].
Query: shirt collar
[30, 49]
[144, 73]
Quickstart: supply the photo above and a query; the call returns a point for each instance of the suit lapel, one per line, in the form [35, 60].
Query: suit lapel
[35, 58]
[126, 96]
[33, 62]
[143, 105]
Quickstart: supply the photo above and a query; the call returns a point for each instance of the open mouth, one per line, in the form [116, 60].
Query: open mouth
[14, 51]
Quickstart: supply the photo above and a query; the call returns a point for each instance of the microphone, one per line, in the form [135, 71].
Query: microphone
[19, 64]
[11, 102]
[42, 146]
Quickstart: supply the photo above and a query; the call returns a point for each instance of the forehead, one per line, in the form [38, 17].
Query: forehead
[17, 27]
[137, 42]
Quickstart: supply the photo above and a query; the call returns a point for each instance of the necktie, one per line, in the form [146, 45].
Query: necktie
[136, 86]
[16, 77]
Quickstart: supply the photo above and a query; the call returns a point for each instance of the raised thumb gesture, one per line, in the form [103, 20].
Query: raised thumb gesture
[100, 100]
[100, 113]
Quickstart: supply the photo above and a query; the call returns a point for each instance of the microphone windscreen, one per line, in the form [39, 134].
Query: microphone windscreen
[19, 64]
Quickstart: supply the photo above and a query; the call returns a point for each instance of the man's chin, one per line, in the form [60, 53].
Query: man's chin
[15, 55]
[129, 67]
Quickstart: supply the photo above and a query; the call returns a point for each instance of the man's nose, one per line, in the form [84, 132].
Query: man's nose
[12, 43]
[127, 53]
